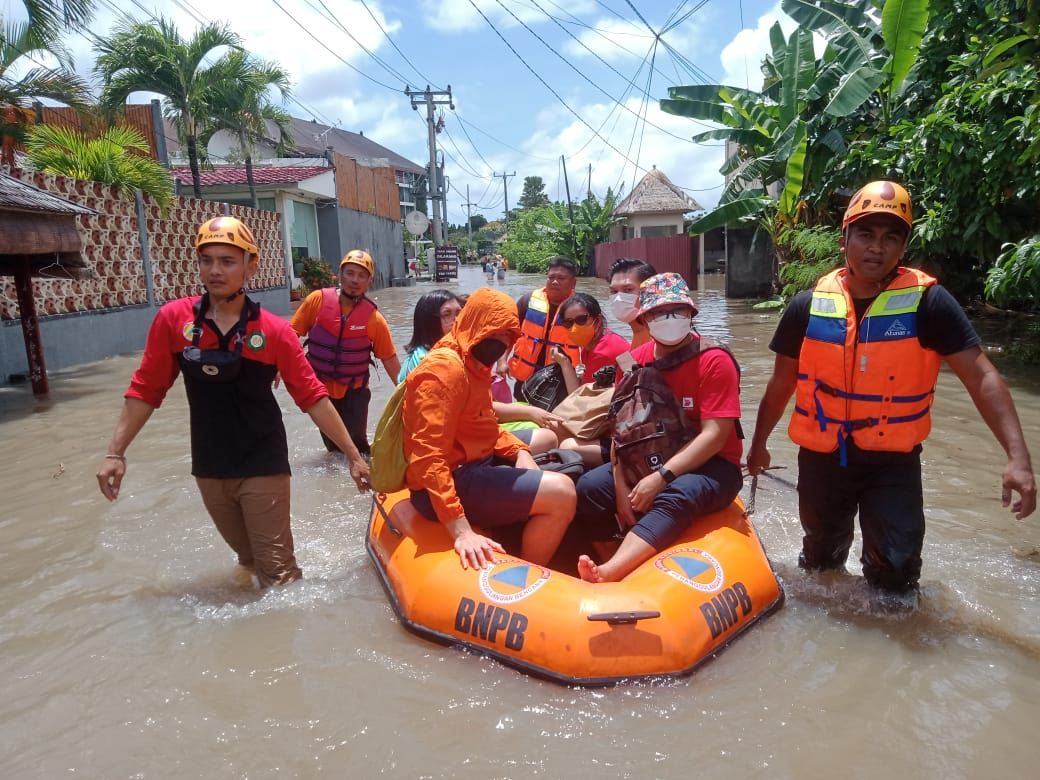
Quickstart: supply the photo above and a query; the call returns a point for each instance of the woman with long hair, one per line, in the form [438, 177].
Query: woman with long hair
[434, 315]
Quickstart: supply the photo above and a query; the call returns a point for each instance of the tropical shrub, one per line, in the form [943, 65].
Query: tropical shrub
[530, 242]
[316, 274]
[1014, 280]
[119, 156]
[805, 254]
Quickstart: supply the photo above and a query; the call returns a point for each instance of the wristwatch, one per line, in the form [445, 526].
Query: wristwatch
[666, 475]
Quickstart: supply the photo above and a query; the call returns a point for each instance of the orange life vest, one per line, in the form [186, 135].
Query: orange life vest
[874, 381]
[537, 332]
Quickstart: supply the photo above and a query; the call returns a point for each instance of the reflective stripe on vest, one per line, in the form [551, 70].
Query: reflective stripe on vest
[338, 346]
[873, 381]
[535, 331]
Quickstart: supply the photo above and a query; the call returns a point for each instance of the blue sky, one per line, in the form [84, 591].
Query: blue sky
[595, 57]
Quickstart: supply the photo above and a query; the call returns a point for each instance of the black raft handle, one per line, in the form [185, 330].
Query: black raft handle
[624, 618]
[377, 502]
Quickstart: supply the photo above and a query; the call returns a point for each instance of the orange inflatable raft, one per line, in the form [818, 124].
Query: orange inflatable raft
[664, 619]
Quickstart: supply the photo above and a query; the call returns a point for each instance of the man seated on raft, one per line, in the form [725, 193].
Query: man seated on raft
[702, 477]
[463, 470]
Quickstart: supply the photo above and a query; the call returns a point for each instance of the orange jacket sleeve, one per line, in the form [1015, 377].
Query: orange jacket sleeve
[305, 317]
[507, 445]
[432, 405]
[379, 332]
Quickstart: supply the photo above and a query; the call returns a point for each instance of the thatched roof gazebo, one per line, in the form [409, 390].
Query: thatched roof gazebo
[38, 237]
[655, 207]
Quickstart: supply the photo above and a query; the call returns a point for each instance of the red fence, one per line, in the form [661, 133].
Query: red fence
[666, 253]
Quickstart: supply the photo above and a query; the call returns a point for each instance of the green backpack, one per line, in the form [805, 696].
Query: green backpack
[387, 470]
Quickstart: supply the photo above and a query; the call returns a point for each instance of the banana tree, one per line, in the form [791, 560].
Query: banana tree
[867, 58]
[789, 131]
[769, 129]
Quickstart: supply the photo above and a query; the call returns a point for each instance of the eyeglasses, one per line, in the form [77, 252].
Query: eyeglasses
[581, 319]
[674, 314]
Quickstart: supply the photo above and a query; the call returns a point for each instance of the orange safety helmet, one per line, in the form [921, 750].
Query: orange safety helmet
[879, 197]
[359, 257]
[227, 230]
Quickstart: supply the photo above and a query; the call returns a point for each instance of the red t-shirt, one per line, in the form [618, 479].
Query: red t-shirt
[707, 388]
[236, 427]
[604, 353]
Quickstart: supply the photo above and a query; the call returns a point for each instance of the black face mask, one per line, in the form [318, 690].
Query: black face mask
[488, 351]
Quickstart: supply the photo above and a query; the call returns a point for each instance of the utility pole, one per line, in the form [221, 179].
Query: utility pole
[590, 181]
[505, 191]
[570, 205]
[444, 200]
[469, 219]
[431, 99]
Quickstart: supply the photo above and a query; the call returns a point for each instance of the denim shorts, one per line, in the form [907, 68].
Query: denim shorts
[491, 495]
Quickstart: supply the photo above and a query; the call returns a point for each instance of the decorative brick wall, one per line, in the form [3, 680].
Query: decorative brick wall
[111, 246]
[171, 244]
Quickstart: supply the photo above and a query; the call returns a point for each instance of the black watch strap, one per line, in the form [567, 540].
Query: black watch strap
[666, 475]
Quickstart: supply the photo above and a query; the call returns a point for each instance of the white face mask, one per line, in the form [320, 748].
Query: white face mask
[670, 331]
[624, 306]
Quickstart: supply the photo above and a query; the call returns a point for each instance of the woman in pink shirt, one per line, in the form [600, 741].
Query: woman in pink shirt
[599, 347]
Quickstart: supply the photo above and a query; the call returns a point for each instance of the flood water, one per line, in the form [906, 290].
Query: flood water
[131, 647]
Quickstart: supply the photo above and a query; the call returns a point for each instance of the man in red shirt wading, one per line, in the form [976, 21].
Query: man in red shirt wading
[229, 352]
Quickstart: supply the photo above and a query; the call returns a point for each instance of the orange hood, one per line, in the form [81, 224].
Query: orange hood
[487, 312]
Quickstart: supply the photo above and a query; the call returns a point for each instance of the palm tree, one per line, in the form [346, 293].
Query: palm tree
[244, 108]
[140, 57]
[120, 156]
[54, 15]
[31, 39]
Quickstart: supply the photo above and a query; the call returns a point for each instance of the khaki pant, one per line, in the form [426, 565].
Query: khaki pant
[252, 515]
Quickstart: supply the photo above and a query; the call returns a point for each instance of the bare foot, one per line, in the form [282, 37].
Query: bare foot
[588, 570]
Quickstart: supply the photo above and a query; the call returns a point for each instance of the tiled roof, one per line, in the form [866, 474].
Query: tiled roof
[312, 137]
[19, 196]
[655, 194]
[262, 174]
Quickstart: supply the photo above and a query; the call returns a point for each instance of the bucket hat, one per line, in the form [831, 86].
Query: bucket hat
[662, 290]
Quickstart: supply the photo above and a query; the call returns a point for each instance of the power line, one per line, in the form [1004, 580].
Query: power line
[500, 142]
[330, 51]
[335, 20]
[203, 20]
[619, 73]
[557, 95]
[590, 81]
[396, 47]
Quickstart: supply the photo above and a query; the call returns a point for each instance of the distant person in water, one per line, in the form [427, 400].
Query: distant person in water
[229, 351]
[861, 354]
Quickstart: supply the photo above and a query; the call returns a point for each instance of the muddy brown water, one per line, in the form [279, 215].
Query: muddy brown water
[129, 646]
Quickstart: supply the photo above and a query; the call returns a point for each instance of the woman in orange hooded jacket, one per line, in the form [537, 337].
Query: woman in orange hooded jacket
[461, 467]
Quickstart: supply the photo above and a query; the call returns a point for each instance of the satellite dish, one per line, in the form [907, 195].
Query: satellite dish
[416, 222]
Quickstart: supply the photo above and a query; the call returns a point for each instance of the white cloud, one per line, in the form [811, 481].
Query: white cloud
[460, 15]
[742, 57]
[612, 39]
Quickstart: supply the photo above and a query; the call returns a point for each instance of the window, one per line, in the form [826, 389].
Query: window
[654, 231]
[303, 237]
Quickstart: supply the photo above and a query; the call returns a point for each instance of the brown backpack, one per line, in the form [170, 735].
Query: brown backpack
[648, 424]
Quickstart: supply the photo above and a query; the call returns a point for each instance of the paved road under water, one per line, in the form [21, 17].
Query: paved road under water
[130, 647]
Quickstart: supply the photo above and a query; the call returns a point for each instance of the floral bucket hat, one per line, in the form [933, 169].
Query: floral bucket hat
[662, 290]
